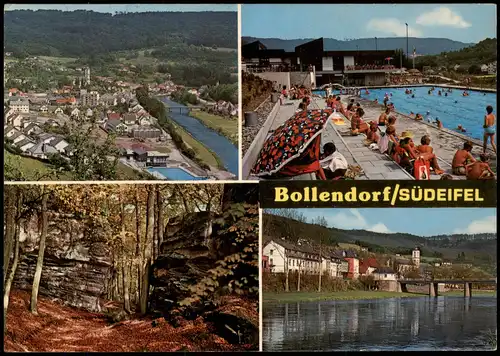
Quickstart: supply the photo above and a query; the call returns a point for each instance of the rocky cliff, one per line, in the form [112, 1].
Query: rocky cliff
[77, 264]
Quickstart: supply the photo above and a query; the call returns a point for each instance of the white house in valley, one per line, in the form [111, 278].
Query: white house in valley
[384, 274]
[282, 255]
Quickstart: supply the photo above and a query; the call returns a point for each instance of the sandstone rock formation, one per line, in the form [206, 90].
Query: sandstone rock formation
[76, 267]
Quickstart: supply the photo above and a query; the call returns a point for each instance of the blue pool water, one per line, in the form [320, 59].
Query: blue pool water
[175, 173]
[319, 92]
[452, 110]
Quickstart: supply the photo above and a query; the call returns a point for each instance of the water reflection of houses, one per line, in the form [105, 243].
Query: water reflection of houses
[336, 325]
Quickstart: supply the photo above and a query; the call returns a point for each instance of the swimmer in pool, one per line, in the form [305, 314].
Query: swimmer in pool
[489, 129]
[428, 117]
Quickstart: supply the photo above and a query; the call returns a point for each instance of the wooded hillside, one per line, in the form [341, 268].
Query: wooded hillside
[80, 33]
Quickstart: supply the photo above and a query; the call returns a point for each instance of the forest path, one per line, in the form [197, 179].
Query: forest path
[59, 328]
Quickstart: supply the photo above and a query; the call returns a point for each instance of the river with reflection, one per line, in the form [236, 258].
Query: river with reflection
[220, 145]
[442, 323]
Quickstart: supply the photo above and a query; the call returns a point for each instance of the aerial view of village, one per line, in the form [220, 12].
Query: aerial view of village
[131, 268]
[408, 93]
[120, 92]
[374, 280]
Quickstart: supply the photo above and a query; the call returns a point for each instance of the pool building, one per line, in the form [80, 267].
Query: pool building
[312, 64]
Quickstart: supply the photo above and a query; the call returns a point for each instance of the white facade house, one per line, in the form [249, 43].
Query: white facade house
[492, 68]
[283, 255]
[22, 106]
[484, 68]
[90, 99]
[384, 274]
[75, 112]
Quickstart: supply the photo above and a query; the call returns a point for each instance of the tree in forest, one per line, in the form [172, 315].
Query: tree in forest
[41, 251]
[13, 241]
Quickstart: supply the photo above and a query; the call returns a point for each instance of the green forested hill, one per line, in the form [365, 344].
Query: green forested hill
[483, 52]
[481, 246]
[78, 33]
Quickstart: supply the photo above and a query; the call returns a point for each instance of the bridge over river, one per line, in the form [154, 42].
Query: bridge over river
[434, 283]
[182, 109]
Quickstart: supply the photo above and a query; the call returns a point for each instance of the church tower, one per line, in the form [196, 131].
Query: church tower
[415, 257]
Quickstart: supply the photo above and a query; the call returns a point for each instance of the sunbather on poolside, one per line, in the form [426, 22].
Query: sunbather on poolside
[384, 117]
[426, 152]
[461, 159]
[480, 170]
[358, 126]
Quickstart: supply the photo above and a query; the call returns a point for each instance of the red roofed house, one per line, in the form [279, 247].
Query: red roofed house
[367, 266]
[114, 116]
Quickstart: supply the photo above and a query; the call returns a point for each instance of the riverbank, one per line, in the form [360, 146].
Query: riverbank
[295, 297]
[208, 142]
[227, 127]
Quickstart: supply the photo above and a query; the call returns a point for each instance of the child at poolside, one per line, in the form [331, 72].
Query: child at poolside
[419, 117]
[480, 170]
[461, 159]
[372, 136]
[489, 129]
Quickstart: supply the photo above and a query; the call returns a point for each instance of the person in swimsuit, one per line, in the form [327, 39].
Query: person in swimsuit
[358, 125]
[383, 118]
[480, 170]
[489, 129]
[461, 159]
[426, 152]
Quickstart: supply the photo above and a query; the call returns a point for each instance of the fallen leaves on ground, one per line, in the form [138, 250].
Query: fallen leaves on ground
[59, 328]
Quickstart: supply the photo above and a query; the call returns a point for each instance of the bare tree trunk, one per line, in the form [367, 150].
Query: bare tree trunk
[320, 267]
[156, 227]
[126, 296]
[161, 225]
[138, 250]
[147, 251]
[10, 228]
[287, 287]
[298, 277]
[41, 252]
[10, 278]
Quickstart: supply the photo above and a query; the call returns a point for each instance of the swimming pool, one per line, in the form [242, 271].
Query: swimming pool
[452, 110]
[319, 92]
[173, 173]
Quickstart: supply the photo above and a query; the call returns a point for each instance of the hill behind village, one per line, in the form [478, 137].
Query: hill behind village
[80, 33]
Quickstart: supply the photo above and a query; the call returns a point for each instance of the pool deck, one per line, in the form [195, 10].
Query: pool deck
[377, 166]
